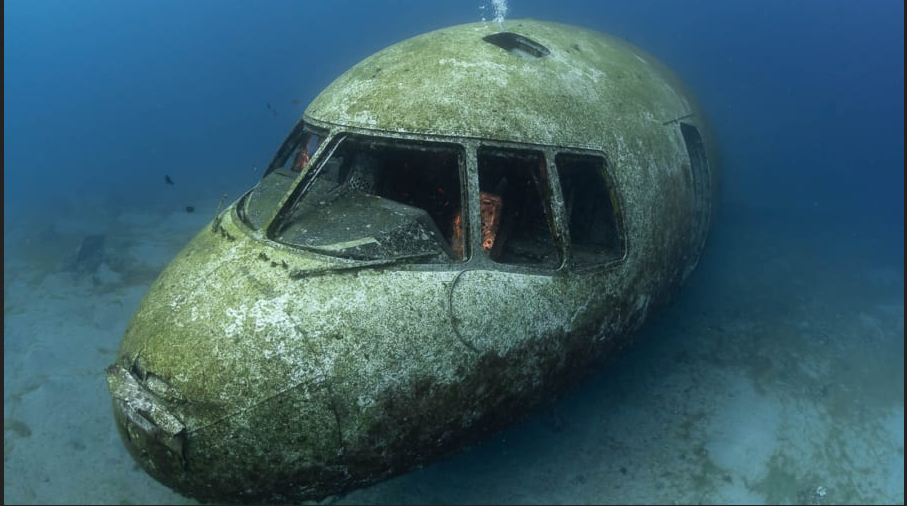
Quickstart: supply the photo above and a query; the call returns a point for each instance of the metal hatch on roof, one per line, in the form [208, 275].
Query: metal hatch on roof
[517, 44]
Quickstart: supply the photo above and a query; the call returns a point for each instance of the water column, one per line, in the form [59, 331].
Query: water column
[500, 11]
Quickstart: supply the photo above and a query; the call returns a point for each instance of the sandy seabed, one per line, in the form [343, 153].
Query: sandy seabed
[776, 376]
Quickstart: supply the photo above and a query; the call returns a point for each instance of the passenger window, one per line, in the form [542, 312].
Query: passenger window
[380, 199]
[516, 224]
[590, 210]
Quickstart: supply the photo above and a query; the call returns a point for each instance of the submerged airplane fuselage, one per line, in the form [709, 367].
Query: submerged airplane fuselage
[454, 232]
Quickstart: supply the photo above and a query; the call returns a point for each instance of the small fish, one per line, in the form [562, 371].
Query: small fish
[168, 180]
[296, 101]
[190, 209]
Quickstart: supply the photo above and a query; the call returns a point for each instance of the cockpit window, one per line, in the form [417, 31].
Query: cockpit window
[376, 199]
[590, 210]
[301, 154]
[291, 159]
[516, 221]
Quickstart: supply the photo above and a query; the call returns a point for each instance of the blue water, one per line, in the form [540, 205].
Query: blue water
[807, 96]
[102, 99]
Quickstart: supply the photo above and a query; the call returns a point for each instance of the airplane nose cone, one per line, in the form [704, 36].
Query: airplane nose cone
[152, 434]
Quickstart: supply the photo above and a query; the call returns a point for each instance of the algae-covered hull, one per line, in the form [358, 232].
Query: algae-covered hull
[457, 229]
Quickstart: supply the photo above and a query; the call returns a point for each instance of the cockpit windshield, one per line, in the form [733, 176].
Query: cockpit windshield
[291, 159]
[380, 199]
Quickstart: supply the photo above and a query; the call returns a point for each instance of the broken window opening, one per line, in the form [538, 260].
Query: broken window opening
[699, 173]
[378, 200]
[589, 209]
[516, 224]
